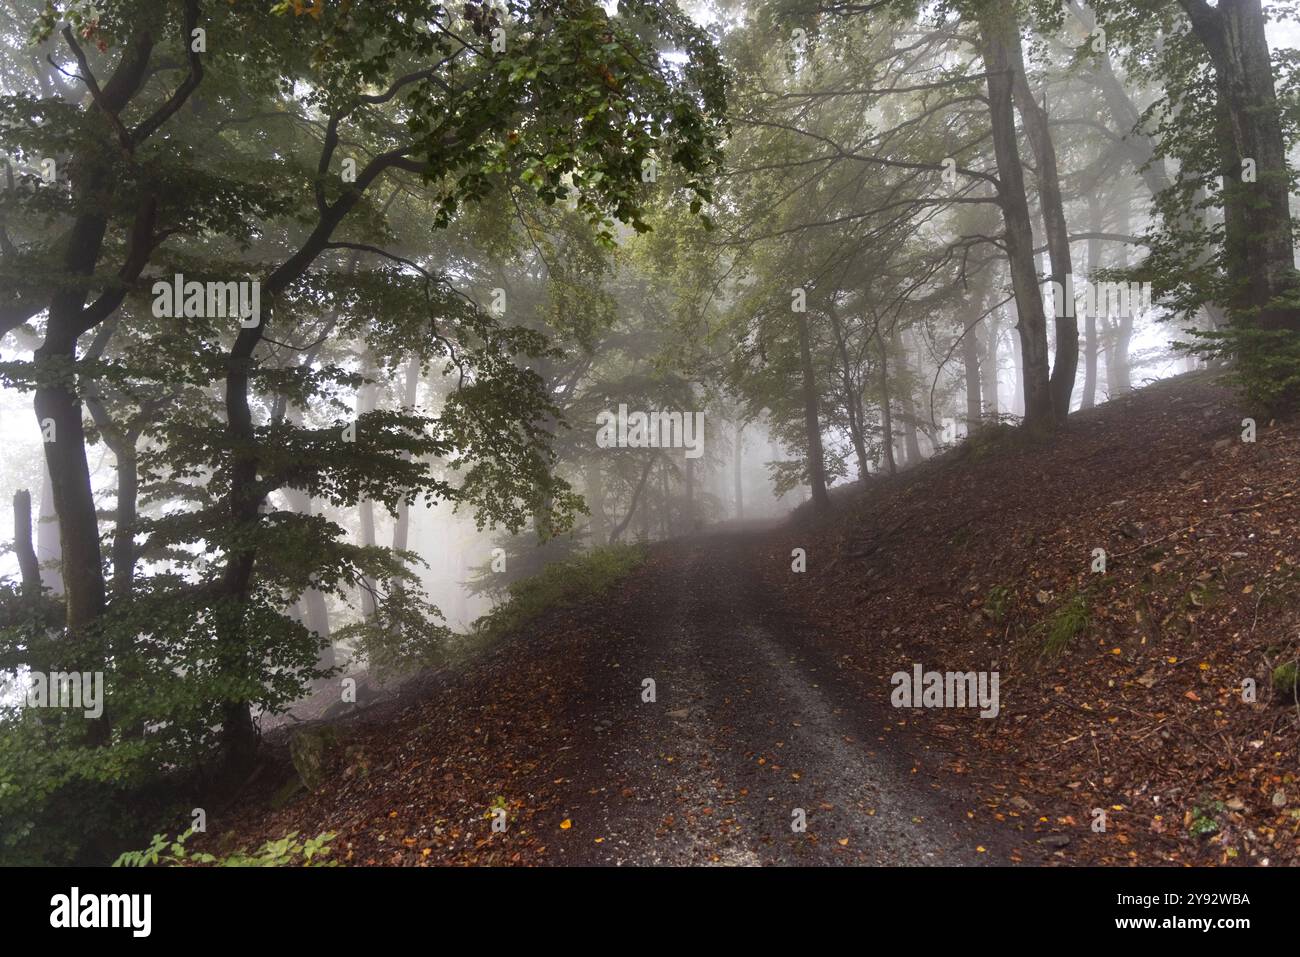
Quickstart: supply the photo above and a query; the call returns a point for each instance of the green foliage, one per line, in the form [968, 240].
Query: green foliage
[560, 584]
[1265, 363]
[997, 602]
[1063, 625]
[234, 523]
[1205, 818]
[288, 851]
[57, 795]
[1286, 680]
[988, 439]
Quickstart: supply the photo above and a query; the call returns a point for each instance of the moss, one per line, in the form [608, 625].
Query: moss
[1286, 677]
[1066, 623]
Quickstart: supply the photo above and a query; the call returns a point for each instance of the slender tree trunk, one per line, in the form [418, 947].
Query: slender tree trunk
[812, 419]
[852, 397]
[739, 455]
[316, 612]
[998, 35]
[122, 445]
[410, 391]
[1037, 131]
[989, 364]
[28, 566]
[1122, 382]
[1018, 361]
[906, 402]
[691, 521]
[886, 416]
[665, 510]
[47, 537]
[970, 353]
[596, 504]
[366, 402]
[1090, 319]
[617, 533]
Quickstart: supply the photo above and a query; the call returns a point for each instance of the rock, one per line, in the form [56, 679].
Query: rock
[1055, 840]
[681, 714]
[309, 749]
[1279, 798]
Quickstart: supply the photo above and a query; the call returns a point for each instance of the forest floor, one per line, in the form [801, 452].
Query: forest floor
[1119, 691]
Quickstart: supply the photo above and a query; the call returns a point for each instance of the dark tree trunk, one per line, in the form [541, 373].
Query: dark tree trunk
[852, 395]
[631, 509]
[1034, 117]
[998, 35]
[1258, 237]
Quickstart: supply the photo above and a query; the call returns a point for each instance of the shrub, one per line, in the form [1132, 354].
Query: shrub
[560, 584]
[288, 851]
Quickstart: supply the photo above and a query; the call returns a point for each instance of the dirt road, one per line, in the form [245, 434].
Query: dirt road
[747, 737]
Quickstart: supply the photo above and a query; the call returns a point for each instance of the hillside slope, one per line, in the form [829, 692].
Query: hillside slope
[1122, 690]
[1119, 691]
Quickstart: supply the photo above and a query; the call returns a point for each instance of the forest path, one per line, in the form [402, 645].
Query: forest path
[746, 727]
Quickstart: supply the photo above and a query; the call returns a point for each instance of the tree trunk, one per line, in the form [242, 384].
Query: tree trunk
[886, 415]
[1090, 319]
[596, 504]
[47, 537]
[665, 508]
[852, 395]
[1034, 118]
[989, 364]
[812, 419]
[1122, 381]
[1258, 235]
[906, 402]
[970, 354]
[316, 612]
[631, 509]
[410, 391]
[692, 522]
[997, 34]
[739, 454]
[27, 563]
[366, 402]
